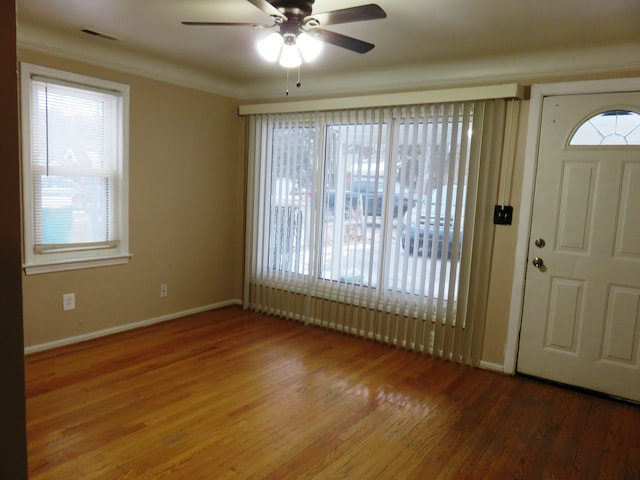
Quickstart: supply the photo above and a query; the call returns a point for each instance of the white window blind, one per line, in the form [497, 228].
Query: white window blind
[75, 185]
[363, 220]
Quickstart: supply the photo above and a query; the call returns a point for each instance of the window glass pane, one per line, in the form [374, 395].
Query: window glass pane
[614, 127]
[293, 167]
[371, 198]
[74, 162]
[73, 210]
[355, 202]
[433, 165]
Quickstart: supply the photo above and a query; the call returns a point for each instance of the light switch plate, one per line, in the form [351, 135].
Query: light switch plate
[502, 215]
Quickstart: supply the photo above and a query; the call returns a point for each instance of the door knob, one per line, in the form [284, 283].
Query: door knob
[537, 262]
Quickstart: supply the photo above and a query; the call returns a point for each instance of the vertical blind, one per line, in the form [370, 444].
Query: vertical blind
[365, 220]
[75, 162]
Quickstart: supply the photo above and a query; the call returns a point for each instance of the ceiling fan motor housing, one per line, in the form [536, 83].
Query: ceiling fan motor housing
[296, 11]
[294, 7]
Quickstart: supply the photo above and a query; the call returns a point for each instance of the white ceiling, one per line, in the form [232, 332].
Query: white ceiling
[421, 43]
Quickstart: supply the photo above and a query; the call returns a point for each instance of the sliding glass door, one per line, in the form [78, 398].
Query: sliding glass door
[365, 208]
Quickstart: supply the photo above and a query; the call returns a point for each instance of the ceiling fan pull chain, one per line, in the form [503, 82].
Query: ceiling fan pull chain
[298, 83]
[287, 90]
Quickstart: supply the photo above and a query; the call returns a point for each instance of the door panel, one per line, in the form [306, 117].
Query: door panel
[628, 234]
[620, 342]
[581, 311]
[563, 319]
[576, 206]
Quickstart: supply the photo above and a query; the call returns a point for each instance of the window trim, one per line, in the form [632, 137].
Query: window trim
[118, 254]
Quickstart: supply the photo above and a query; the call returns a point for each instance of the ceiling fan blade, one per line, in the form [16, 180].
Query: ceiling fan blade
[269, 9]
[340, 40]
[229, 24]
[346, 15]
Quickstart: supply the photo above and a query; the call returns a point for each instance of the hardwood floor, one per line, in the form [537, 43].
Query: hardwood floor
[233, 394]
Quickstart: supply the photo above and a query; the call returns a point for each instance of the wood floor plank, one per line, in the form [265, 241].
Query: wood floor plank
[231, 394]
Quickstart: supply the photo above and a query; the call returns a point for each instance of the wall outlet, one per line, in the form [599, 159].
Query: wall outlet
[69, 301]
[163, 290]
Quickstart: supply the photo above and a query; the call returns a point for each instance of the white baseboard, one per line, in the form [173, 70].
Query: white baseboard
[129, 326]
[494, 367]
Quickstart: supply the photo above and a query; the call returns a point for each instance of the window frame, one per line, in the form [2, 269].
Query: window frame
[116, 253]
[578, 130]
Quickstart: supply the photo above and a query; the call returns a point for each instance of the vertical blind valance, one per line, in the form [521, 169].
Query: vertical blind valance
[364, 220]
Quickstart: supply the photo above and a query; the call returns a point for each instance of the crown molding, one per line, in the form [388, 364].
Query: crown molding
[619, 59]
[94, 53]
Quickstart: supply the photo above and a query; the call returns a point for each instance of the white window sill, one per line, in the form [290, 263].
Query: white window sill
[79, 264]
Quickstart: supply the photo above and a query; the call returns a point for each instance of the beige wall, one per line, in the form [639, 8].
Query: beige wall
[504, 251]
[192, 237]
[186, 165]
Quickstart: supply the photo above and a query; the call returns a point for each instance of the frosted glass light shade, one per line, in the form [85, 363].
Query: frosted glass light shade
[290, 56]
[270, 46]
[309, 47]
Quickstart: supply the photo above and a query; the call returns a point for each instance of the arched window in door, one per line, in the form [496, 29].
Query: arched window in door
[613, 127]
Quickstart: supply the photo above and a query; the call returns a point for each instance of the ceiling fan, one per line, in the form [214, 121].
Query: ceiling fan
[299, 34]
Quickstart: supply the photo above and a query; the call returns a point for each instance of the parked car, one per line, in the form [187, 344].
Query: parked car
[372, 197]
[425, 221]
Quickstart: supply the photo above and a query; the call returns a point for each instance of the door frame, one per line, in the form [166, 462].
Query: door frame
[538, 94]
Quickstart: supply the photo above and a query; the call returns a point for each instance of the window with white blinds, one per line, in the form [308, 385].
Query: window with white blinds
[74, 171]
[363, 220]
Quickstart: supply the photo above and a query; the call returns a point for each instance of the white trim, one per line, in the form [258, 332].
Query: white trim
[130, 326]
[76, 264]
[538, 93]
[506, 90]
[492, 367]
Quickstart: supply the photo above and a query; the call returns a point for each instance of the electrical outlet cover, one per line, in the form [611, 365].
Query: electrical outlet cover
[69, 301]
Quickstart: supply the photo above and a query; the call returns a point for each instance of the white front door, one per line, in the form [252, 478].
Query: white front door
[581, 311]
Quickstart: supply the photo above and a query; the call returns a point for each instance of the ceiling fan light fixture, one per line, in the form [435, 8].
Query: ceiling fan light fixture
[309, 47]
[290, 56]
[271, 46]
